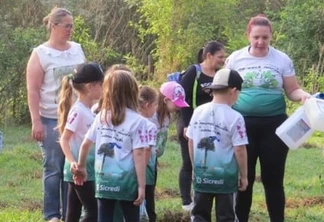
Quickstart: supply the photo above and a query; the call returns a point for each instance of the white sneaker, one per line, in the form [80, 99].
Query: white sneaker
[188, 208]
[54, 219]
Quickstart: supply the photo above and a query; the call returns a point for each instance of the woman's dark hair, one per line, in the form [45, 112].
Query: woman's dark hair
[211, 47]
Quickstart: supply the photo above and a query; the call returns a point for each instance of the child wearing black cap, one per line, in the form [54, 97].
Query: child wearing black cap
[120, 135]
[74, 122]
[217, 140]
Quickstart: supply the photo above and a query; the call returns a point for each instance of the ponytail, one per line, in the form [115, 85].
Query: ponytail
[200, 57]
[162, 110]
[65, 103]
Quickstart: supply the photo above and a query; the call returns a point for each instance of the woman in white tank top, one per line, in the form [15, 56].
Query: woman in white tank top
[47, 65]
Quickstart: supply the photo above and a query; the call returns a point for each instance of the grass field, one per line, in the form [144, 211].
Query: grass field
[21, 188]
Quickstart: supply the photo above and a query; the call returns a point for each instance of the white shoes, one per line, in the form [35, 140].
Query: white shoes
[188, 208]
[54, 219]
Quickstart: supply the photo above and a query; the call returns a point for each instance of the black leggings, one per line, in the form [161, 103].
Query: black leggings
[272, 153]
[106, 210]
[150, 202]
[185, 175]
[79, 196]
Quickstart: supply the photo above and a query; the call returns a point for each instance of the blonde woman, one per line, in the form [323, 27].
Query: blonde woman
[47, 65]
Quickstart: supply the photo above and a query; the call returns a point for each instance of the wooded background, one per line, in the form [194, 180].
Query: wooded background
[165, 33]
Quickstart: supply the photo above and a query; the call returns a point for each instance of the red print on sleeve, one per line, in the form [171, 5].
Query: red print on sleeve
[71, 119]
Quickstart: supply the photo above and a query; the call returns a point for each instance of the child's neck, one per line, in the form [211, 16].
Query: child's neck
[88, 102]
[222, 99]
[143, 114]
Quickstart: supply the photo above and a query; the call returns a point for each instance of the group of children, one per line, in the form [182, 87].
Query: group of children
[111, 149]
[129, 128]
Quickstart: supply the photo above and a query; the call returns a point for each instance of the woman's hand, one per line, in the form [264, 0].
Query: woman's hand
[293, 91]
[38, 132]
[304, 96]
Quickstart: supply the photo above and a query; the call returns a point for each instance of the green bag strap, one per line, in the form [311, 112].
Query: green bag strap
[195, 86]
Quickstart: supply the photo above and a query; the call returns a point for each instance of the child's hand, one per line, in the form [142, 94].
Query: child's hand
[141, 196]
[80, 176]
[74, 167]
[243, 183]
[185, 133]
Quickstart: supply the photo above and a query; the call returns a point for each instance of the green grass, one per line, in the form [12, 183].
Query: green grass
[21, 183]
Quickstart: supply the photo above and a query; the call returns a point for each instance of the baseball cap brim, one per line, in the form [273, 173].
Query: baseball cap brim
[216, 87]
[181, 104]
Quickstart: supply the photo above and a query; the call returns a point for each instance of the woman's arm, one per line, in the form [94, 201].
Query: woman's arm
[293, 90]
[34, 77]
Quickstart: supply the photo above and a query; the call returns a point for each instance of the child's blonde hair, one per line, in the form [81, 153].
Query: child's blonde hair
[66, 100]
[120, 91]
[111, 69]
[162, 110]
[147, 94]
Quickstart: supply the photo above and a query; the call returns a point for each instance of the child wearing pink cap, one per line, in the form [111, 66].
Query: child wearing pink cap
[171, 99]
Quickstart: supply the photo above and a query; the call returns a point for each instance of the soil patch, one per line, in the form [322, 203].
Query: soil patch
[166, 193]
[170, 216]
[306, 202]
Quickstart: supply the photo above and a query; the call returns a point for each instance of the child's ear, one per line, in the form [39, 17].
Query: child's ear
[233, 90]
[165, 100]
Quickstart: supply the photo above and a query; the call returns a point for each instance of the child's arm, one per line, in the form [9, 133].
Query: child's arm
[147, 154]
[241, 158]
[81, 174]
[64, 142]
[139, 161]
[190, 146]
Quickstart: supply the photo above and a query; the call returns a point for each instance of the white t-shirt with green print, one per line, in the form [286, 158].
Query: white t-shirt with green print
[262, 89]
[114, 163]
[151, 165]
[215, 130]
[162, 134]
[79, 121]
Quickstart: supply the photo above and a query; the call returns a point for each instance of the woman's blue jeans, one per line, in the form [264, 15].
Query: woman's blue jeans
[55, 190]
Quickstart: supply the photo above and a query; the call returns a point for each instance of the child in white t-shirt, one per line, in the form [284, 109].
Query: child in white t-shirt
[73, 124]
[119, 133]
[170, 100]
[217, 139]
[147, 107]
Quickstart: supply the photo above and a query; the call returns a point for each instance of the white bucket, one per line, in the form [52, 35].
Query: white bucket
[295, 130]
[314, 109]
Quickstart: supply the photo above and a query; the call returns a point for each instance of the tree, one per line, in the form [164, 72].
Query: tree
[181, 28]
[207, 144]
[107, 149]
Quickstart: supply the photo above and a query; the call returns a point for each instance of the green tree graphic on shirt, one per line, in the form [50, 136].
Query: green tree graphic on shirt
[266, 80]
[248, 79]
[269, 80]
[107, 149]
[207, 144]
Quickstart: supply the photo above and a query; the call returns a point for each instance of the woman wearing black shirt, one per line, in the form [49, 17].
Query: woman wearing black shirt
[210, 59]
